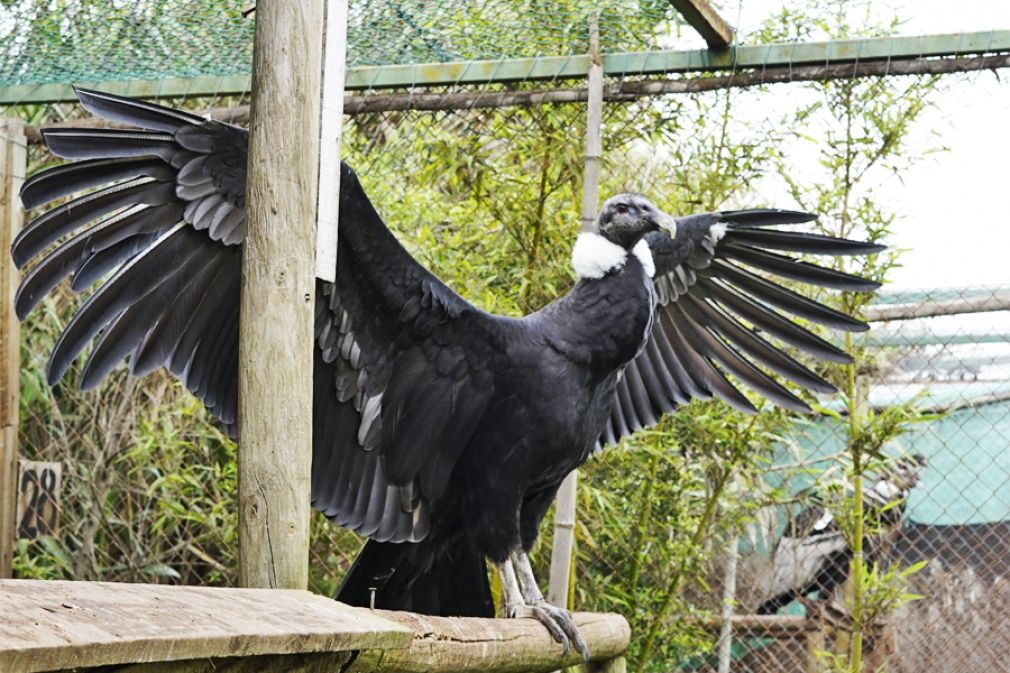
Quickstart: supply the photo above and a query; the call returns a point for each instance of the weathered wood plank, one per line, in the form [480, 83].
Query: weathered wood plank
[275, 330]
[703, 18]
[13, 154]
[447, 645]
[53, 625]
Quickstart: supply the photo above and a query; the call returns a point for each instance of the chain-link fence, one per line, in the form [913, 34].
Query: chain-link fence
[682, 520]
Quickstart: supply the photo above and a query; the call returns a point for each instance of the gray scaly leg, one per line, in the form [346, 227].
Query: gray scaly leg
[523, 599]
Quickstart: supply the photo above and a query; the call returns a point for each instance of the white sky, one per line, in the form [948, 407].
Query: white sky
[955, 204]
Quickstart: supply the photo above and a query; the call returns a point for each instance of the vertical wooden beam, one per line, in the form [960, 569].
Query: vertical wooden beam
[13, 157]
[703, 18]
[564, 509]
[331, 124]
[275, 333]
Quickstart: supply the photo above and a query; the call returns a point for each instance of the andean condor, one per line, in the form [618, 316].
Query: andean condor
[813, 555]
[440, 432]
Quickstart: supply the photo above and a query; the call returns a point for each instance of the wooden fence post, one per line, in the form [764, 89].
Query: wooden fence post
[13, 158]
[278, 289]
[564, 508]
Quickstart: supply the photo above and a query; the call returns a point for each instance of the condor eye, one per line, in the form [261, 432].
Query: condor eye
[621, 208]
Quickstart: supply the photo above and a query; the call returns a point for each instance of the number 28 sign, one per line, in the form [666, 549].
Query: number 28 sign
[38, 498]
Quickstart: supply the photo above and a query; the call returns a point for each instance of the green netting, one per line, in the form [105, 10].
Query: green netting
[66, 41]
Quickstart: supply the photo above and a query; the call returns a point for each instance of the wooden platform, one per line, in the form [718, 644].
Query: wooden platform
[143, 628]
[47, 626]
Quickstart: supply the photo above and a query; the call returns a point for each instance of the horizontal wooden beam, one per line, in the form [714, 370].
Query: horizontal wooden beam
[626, 91]
[888, 50]
[932, 308]
[703, 18]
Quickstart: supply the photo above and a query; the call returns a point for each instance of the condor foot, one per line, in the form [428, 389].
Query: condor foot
[558, 623]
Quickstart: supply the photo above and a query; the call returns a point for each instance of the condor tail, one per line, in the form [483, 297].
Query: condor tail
[449, 582]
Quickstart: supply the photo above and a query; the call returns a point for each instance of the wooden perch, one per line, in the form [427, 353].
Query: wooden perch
[138, 628]
[450, 645]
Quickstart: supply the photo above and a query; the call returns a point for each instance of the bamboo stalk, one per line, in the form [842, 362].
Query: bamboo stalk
[564, 510]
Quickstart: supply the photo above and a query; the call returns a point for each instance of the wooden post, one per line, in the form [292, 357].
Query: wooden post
[13, 157]
[564, 509]
[275, 334]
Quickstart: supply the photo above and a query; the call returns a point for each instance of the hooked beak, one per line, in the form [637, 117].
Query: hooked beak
[667, 223]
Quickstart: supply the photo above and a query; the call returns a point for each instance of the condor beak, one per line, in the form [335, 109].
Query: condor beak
[667, 223]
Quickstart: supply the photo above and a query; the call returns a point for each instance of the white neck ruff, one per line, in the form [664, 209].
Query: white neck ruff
[594, 256]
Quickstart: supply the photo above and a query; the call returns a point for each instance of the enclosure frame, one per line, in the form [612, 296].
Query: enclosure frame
[747, 65]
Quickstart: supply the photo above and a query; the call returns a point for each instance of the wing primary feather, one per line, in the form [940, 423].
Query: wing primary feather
[764, 217]
[102, 262]
[69, 143]
[738, 366]
[751, 343]
[673, 380]
[221, 294]
[123, 335]
[50, 226]
[135, 112]
[796, 241]
[700, 371]
[131, 283]
[59, 181]
[163, 338]
[628, 405]
[687, 387]
[644, 403]
[772, 322]
[55, 266]
[715, 380]
[788, 300]
[621, 428]
[795, 269]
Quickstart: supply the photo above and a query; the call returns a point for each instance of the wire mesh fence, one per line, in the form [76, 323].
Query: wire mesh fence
[488, 198]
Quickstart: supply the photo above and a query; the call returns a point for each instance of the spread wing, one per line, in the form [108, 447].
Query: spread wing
[401, 370]
[720, 310]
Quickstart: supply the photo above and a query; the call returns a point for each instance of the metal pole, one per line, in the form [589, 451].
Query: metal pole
[275, 332]
[564, 510]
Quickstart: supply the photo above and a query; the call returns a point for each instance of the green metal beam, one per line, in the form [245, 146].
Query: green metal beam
[566, 67]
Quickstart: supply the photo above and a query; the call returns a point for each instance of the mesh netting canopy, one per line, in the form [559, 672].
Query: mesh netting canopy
[50, 41]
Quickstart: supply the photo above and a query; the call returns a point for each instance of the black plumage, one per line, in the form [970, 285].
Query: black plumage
[813, 556]
[440, 431]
